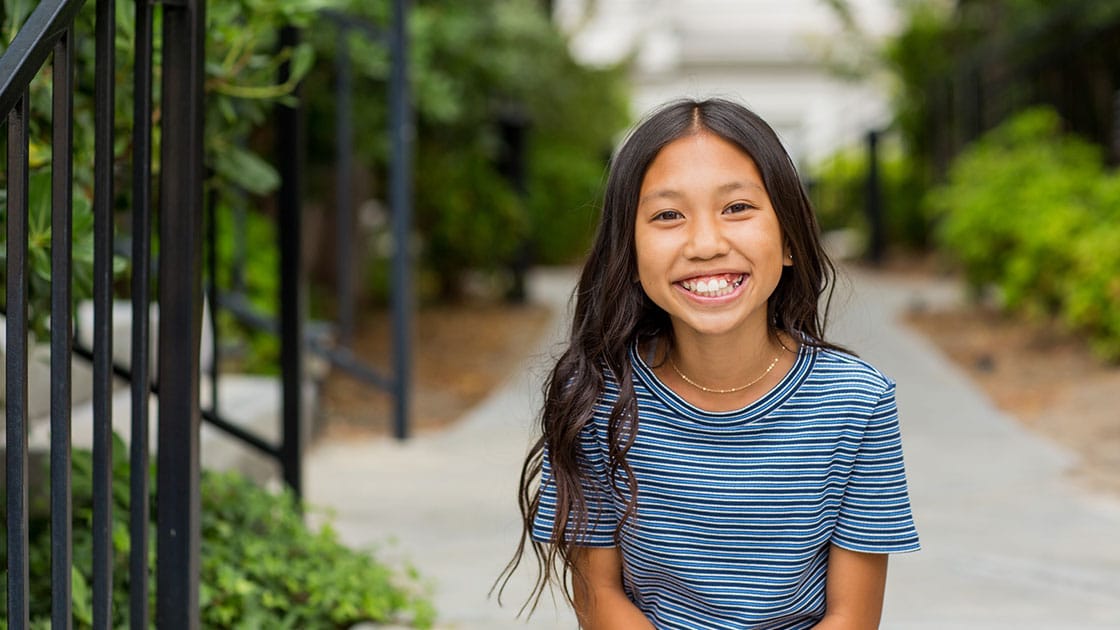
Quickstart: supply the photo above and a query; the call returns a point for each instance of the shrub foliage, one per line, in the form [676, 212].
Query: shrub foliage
[262, 566]
[1033, 211]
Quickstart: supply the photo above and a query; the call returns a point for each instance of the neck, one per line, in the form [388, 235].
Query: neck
[725, 361]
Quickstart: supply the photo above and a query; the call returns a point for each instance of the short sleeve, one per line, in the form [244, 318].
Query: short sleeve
[875, 514]
[602, 517]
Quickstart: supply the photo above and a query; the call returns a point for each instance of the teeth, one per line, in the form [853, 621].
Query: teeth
[712, 287]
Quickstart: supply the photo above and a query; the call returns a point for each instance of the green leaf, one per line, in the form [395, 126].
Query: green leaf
[81, 597]
[247, 170]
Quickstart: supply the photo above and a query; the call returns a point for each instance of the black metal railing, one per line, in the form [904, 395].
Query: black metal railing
[1063, 61]
[336, 347]
[398, 383]
[46, 35]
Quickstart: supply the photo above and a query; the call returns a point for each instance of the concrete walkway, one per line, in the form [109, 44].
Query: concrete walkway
[1009, 541]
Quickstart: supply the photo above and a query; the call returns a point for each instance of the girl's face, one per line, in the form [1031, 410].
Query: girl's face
[709, 247]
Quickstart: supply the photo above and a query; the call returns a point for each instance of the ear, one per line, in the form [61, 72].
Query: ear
[787, 257]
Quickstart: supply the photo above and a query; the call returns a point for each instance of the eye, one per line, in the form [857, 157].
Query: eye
[668, 215]
[738, 206]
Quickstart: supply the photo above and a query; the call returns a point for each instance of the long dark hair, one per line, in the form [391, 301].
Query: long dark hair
[612, 312]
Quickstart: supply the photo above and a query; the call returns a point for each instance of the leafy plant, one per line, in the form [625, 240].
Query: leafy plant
[243, 57]
[475, 64]
[1033, 211]
[840, 195]
[261, 565]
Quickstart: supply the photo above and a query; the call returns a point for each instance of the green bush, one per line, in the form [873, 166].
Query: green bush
[242, 60]
[475, 63]
[839, 190]
[1092, 298]
[840, 195]
[1033, 212]
[261, 565]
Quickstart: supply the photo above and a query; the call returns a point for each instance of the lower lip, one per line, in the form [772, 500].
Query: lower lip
[716, 300]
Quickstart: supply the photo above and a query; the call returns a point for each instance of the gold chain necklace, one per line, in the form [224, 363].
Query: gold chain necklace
[722, 391]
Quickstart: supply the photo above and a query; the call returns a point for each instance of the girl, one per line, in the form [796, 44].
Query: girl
[707, 458]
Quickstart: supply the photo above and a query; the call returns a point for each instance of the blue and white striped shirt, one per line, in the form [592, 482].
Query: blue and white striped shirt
[736, 510]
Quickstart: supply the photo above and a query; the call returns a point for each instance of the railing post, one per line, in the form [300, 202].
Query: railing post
[1116, 127]
[290, 203]
[513, 126]
[15, 402]
[62, 206]
[102, 314]
[180, 322]
[400, 190]
[139, 485]
[344, 195]
[874, 208]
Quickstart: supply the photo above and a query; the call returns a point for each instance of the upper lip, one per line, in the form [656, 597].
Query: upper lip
[712, 272]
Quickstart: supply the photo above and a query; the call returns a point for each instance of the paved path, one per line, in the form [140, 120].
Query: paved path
[1009, 541]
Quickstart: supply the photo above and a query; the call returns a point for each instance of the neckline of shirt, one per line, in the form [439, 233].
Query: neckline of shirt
[778, 394]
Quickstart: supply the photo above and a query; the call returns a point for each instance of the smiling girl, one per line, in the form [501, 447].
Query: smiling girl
[707, 458]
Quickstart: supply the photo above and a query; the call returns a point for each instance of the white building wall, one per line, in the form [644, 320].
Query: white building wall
[768, 54]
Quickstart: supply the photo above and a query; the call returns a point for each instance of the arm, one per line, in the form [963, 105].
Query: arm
[853, 590]
[600, 601]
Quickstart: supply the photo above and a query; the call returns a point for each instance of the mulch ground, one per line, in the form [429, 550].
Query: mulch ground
[461, 353]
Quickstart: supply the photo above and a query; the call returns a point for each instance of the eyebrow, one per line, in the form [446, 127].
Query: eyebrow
[668, 193]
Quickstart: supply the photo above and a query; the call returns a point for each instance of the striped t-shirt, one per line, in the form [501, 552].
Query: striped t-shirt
[736, 510]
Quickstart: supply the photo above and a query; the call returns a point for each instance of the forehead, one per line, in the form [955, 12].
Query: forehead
[699, 162]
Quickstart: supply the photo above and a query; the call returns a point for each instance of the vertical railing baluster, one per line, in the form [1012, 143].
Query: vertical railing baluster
[290, 202]
[141, 335]
[102, 315]
[240, 238]
[16, 377]
[180, 320]
[400, 193]
[211, 228]
[344, 195]
[62, 202]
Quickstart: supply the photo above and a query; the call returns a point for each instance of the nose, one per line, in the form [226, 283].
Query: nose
[706, 239]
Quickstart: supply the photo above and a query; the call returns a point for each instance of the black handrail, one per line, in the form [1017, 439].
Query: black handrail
[31, 46]
[47, 31]
[395, 381]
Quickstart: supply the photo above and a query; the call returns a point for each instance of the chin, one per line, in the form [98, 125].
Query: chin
[711, 329]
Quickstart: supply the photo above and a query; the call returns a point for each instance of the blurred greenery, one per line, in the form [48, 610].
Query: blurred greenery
[1034, 212]
[241, 89]
[840, 194]
[921, 50]
[476, 65]
[261, 565]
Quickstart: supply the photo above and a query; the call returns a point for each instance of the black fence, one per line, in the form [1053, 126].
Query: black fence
[1063, 62]
[48, 33]
[47, 40]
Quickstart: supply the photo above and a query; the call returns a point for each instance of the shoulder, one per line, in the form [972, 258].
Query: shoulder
[843, 369]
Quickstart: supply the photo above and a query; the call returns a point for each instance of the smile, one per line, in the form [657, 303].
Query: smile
[713, 286]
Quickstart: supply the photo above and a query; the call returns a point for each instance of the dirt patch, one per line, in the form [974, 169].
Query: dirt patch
[1046, 378]
[461, 353]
